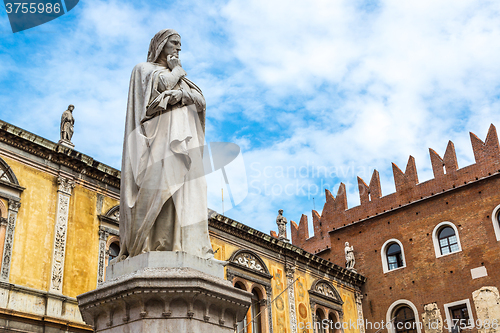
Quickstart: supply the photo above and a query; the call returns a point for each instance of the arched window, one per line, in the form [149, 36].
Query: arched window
[242, 325]
[403, 315]
[495, 216]
[404, 320]
[319, 321]
[394, 256]
[114, 250]
[256, 316]
[332, 323]
[448, 240]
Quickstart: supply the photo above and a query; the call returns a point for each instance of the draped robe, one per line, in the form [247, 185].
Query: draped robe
[163, 204]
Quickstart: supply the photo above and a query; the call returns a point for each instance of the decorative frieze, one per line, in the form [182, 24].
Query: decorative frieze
[325, 289]
[9, 239]
[65, 187]
[248, 260]
[290, 273]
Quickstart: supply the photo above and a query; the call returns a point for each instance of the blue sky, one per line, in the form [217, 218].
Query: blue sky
[342, 86]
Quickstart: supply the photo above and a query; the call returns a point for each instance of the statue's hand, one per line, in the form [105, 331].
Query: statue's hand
[175, 96]
[173, 62]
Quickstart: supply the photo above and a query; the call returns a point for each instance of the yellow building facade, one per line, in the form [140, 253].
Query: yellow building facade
[59, 221]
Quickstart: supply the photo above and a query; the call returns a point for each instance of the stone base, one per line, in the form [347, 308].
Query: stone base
[164, 299]
[66, 143]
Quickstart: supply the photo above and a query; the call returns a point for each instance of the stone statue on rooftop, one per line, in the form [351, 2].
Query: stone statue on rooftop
[163, 194]
[281, 222]
[349, 257]
[67, 126]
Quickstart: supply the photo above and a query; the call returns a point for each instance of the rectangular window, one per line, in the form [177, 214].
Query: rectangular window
[458, 316]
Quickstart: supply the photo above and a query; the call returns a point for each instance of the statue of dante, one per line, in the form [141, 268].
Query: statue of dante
[163, 204]
[67, 123]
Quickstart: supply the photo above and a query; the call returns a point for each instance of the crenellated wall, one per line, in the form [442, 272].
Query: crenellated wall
[447, 176]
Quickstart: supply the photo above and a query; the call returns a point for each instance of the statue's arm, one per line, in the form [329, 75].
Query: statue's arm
[191, 96]
[170, 78]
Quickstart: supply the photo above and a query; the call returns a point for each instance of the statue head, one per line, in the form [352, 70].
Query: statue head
[346, 244]
[280, 211]
[71, 107]
[167, 41]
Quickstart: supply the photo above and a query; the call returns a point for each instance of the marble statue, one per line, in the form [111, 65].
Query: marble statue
[349, 256]
[67, 124]
[163, 194]
[281, 222]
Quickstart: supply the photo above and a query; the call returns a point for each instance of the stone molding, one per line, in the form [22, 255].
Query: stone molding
[65, 187]
[9, 239]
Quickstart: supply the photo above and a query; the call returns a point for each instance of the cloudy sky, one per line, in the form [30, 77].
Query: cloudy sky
[314, 92]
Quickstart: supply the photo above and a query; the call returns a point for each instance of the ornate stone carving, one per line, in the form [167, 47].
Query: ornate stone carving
[65, 185]
[60, 233]
[359, 307]
[14, 205]
[4, 221]
[9, 241]
[290, 273]
[249, 260]
[325, 289]
[269, 295]
[103, 237]
[115, 215]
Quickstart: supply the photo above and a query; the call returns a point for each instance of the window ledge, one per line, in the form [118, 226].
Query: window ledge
[395, 269]
[447, 254]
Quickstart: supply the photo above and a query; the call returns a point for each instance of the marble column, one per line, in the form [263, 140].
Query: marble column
[61, 229]
[9, 239]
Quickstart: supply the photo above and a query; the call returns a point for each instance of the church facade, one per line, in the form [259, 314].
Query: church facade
[429, 250]
[59, 228]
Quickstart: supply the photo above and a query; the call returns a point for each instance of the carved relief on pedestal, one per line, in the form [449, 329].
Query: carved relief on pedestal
[60, 233]
[290, 273]
[9, 239]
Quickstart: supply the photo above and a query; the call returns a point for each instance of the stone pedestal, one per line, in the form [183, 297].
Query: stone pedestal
[165, 292]
[66, 143]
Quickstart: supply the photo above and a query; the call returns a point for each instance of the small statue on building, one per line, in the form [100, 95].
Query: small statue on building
[67, 127]
[349, 257]
[281, 222]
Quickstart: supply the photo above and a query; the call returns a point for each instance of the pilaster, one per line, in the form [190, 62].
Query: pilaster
[9, 239]
[60, 233]
[290, 273]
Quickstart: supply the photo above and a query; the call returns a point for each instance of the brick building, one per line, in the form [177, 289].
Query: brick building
[430, 251]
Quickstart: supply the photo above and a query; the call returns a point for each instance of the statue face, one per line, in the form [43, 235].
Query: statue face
[173, 46]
